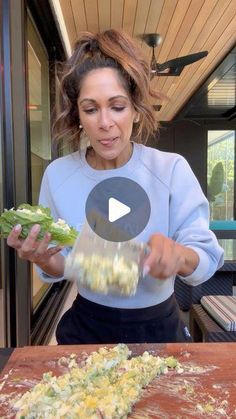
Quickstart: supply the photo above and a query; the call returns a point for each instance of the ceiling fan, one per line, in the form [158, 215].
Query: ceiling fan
[172, 67]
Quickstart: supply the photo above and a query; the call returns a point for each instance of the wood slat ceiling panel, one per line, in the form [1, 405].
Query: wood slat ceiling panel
[221, 40]
[186, 26]
[91, 12]
[201, 41]
[141, 17]
[153, 17]
[188, 45]
[181, 37]
[173, 29]
[104, 14]
[117, 7]
[211, 23]
[129, 16]
[78, 11]
[68, 14]
[166, 16]
[186, 92]
[189, 80]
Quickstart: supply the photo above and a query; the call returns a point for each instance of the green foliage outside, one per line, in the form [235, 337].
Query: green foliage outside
[220, 177]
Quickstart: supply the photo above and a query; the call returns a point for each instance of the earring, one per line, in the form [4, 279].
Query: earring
[80, 126]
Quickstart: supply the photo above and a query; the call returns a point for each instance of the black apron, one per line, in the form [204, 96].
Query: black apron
[87, 323]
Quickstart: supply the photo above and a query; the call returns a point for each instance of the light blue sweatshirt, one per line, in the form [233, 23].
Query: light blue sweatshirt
[179, 210]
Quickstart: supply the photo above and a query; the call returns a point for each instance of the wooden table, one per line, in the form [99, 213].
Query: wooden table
[209, 378]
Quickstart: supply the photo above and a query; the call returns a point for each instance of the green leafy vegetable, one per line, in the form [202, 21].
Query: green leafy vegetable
[171, 362]
[28, 215]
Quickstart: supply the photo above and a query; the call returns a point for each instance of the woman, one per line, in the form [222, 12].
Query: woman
[105, 94]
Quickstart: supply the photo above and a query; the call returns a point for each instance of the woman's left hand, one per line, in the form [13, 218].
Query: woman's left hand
[168, 258]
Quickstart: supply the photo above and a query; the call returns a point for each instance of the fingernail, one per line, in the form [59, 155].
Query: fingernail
[35, 228]
[146, 270]
[17, 227]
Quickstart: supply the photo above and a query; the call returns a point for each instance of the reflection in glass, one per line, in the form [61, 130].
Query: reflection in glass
[229, 246]
[40, 141]
[220, 174]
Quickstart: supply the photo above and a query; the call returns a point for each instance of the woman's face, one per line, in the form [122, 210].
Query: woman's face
[107, 116]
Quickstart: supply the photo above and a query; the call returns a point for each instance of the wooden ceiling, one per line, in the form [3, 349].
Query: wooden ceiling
[186, 26]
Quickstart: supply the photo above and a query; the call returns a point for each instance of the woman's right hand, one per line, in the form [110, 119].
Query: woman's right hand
[32, 249]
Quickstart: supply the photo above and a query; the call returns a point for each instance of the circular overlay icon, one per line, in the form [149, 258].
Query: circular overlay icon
[118, 209]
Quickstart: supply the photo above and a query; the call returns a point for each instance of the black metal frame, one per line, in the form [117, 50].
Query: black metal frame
[225, 234]
[45, 22]
[3, 255]
[14, 124]
[44, 317]
[48, 313]
[15, 170]
[186, 111]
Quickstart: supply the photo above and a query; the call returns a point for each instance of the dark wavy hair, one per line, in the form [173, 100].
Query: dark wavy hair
[112, 49]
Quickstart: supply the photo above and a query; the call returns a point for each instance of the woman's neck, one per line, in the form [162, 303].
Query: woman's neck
[99, 163]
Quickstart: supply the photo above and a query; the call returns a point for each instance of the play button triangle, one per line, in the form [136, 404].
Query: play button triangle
[117, 209]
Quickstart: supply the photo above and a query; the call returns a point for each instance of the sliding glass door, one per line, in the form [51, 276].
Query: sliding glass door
[221, 175]
[221, 187]
[28, 306]
[2, 280]
[39, 121]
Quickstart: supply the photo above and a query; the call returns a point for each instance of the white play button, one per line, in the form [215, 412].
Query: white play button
[116, 209]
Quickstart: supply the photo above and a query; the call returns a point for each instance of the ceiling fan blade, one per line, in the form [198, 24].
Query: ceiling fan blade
[180, 61]
[172, 67]
[173, 71]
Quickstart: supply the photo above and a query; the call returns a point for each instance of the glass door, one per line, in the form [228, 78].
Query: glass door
[221, 176]
[221, 188]
[39, 119]
[2, 285]
[2, 276]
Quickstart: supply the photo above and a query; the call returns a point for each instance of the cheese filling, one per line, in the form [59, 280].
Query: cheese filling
[107, 386]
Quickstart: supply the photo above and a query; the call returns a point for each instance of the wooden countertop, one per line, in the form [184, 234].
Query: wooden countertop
[209, 378]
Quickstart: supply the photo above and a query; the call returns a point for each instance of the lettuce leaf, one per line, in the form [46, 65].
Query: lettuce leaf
[62, 236]
[28, 215]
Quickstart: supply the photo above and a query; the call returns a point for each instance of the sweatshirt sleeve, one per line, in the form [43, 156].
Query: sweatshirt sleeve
[46, 199]
[189, 223]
